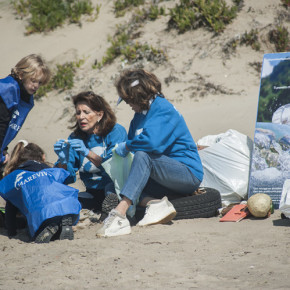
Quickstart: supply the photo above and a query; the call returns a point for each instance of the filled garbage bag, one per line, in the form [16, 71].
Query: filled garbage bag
[226, 164]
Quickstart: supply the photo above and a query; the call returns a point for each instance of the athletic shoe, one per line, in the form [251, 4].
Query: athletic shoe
[66, 228]
[110, 202]
[114, 225]
[158, 212]
[47, 233]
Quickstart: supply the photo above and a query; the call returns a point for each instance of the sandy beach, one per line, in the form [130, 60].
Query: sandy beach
[215, 92]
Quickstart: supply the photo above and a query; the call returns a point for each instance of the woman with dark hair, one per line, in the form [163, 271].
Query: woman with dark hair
[166, 160]
[95, 135]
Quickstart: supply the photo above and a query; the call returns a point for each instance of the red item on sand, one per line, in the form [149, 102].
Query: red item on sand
[237, 213]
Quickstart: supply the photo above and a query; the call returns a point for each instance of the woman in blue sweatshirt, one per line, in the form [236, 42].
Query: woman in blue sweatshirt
[166, 160]
[96, 132]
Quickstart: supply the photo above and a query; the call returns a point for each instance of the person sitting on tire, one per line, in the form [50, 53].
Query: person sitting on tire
[166, 161]
[35, 189]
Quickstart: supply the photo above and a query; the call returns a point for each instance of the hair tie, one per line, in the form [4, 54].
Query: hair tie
[25, 143]
[135, 83]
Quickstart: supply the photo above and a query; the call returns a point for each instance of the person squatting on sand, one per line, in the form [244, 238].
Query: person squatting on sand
[166, 160]
[31, 186]
[16, 99]
[95, 135]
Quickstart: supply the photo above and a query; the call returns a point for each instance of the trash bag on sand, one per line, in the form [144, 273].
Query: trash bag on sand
[226, 164]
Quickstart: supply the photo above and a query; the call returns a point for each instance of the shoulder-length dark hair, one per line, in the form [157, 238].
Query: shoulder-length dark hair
[22, 153]
[96, 103]
[138, 87]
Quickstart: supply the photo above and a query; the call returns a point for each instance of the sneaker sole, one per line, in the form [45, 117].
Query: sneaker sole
[122, 232]
[46, 235]
[164, 220]
[110, 202]
[66, 229]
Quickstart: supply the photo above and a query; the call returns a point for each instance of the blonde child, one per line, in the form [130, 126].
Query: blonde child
[16, 99]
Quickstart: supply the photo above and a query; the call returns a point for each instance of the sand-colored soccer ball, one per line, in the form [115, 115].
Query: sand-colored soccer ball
[260, 205]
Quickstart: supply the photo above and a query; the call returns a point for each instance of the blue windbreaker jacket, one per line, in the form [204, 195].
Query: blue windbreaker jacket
[40, 195]
[19, 109]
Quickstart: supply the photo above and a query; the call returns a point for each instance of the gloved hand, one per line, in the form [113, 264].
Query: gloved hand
[122, 150]
[79, 146]
[61, 148]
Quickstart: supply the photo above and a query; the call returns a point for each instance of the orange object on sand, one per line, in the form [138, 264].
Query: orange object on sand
[237, 213]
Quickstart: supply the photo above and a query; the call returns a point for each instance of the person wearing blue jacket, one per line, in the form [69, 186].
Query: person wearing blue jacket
[16, 99]
[166, 160]
[95, 135]
[38, 191]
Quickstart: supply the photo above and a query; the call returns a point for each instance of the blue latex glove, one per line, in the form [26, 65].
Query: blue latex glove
[61, 148]
[79, 146]
[122, 150]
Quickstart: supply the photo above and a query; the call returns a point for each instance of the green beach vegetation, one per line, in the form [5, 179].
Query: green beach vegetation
[46, 15]
[62, 78]
[213, 14]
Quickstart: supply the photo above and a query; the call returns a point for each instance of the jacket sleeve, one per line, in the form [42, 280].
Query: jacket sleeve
[4, 120]
[116, 136]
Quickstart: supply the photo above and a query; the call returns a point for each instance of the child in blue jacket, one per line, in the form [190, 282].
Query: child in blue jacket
[16, 99]
[38, 191]
[166, 160]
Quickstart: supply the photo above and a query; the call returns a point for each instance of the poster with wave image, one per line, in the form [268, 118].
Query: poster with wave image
[270, 163]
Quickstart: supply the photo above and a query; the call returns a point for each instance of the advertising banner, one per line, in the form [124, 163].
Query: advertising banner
[270, 162]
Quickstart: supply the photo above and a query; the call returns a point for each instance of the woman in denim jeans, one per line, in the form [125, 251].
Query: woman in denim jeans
[166, 160]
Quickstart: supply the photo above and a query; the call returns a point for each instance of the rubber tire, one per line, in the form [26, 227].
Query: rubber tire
[195, 206]
[198, 206]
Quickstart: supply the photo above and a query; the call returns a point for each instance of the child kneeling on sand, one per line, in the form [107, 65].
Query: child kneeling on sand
[35, 189]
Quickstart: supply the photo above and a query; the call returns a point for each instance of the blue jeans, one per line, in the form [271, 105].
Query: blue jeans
[153, 175]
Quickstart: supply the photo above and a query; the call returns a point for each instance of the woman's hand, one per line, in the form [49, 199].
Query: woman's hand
[79, 146]
[122, 149]
[61, 148]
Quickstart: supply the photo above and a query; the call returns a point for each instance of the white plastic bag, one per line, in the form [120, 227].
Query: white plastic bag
[118, 168]
[226, 164]
[285, 199]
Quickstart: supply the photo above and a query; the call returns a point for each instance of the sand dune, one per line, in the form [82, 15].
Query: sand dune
[214, 92]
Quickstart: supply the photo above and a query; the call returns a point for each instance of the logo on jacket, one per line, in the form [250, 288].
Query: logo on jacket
[13, 122]
[20, 180]
[138, 131]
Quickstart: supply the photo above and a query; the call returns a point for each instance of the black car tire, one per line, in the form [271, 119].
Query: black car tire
[202, 205]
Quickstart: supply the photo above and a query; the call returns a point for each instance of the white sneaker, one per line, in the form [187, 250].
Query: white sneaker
[114, 225]
[158, 212]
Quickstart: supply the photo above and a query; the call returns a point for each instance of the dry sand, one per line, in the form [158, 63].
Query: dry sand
[197, 253]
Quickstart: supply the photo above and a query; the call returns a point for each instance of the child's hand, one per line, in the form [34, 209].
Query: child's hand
[61, 148]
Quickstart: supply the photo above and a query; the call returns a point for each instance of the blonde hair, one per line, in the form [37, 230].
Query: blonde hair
[22, 153]
[29, 66]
